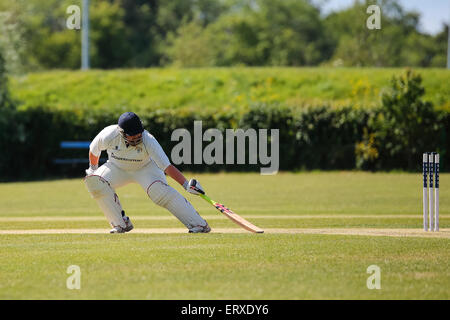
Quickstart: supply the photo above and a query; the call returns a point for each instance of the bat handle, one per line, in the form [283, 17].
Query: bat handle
[206, 198]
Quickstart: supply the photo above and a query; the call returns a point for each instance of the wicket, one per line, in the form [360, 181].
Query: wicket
[431, 191]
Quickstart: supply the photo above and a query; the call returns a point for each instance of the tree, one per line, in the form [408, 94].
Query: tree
[398, 43]
[11, 39]
[263, 32]
[407, 125]
[294, 31]
[440, 46]
[4, 94]
[143, 33]
[109, 45]
[191, 47]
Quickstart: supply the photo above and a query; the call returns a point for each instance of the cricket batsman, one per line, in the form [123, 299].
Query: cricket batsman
[135, 156]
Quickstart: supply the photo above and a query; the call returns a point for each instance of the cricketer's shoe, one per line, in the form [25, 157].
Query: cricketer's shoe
[129, 225]
[200, 229]
[119, 229]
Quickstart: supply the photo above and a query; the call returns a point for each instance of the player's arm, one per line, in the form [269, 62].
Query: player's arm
[93, 163]
[162, 161]
[192, 186]
[175, 174]
[95, 150]
[93, 160]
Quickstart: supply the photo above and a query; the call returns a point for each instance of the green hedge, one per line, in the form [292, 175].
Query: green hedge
[310, 138]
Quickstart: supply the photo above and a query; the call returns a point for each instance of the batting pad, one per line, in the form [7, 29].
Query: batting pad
[167, 197]
[106, 198]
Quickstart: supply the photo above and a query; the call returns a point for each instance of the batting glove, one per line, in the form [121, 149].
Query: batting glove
[91, 170]
[194, 187]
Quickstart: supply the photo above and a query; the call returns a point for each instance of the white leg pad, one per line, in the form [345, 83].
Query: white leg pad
[106, 198]
[169, 198]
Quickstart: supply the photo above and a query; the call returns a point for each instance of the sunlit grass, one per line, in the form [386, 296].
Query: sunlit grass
[228, 266]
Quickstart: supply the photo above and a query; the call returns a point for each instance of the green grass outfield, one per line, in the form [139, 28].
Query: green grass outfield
[323, 230]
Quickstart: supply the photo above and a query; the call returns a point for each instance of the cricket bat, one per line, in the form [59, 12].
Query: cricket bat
[233, 216]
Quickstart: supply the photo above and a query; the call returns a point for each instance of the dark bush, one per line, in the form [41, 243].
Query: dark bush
[10, 127]
[403, 128]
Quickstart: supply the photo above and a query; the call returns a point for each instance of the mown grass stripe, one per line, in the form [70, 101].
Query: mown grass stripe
[444, 233]
[215, 217]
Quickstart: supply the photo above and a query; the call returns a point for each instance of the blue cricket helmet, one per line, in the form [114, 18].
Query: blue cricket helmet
[130, 123]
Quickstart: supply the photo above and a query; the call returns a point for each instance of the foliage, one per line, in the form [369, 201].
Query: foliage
[397, 43]
[262, 32]
[4, 92]
[48, 42]
[366, 152]
[310, 138]
[190, 47]
[319, 135]
[406, 126]
[186, 33]
[11, 43]
[8, 118]
[215, 88]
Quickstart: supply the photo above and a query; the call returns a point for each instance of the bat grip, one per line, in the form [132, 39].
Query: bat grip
[206, 198]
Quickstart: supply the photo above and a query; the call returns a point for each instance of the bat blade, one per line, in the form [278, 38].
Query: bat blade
[234, 216]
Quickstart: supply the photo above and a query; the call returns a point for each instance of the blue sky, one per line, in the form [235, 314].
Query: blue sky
[433, 12]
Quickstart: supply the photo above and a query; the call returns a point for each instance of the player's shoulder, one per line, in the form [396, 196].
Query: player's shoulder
[150, 141]
[110, 132]
[148, 136]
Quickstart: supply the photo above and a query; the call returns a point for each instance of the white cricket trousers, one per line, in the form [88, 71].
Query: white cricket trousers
[153, 180]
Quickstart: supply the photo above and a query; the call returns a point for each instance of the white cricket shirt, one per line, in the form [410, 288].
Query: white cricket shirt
[128, 157]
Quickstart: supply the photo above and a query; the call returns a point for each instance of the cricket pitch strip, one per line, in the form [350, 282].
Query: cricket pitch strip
[443, 233]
